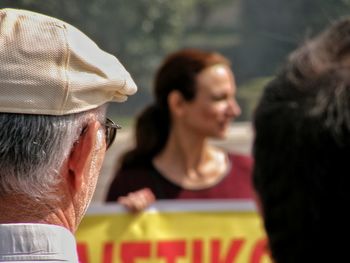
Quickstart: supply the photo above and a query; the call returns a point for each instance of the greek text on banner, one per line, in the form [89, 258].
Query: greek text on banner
[200, 231]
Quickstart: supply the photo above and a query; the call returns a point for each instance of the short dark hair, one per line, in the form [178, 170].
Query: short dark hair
[302, 150]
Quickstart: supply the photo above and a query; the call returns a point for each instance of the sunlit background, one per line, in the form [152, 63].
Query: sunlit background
[255, 35]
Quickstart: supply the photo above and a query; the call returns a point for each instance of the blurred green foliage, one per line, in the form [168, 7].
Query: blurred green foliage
[256, 35]
[248, 95]
[272, 28]
[138, 32]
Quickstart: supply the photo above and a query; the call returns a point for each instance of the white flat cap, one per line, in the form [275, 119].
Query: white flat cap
[50, 67]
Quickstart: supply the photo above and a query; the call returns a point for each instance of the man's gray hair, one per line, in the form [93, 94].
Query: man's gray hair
[33, 149]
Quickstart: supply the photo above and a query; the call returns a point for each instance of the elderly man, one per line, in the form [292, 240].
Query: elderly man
[54, 86]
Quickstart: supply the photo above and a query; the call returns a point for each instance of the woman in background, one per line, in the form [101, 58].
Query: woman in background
[172, 159]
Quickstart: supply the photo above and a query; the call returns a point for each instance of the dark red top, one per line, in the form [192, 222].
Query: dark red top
[236, 184]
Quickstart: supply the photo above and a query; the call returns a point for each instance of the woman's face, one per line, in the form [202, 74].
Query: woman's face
[214, 105]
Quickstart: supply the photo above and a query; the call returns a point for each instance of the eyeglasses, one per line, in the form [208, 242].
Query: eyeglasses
[110, 131]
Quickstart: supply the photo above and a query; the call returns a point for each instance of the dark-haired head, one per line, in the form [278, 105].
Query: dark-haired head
[301, 150]
[179, 71]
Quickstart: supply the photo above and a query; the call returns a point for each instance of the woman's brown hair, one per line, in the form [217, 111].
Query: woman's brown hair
[177, 72]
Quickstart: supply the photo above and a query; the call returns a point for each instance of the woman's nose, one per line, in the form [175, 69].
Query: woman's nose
[233, 109]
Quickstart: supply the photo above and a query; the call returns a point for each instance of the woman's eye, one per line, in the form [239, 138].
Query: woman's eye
[219, 97]
[222, 97]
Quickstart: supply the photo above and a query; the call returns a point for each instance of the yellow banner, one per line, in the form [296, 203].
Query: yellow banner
[174, 232]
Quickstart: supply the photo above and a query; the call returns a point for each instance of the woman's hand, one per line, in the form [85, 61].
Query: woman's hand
[138, 200]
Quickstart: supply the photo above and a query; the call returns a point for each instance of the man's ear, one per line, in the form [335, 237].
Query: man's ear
[79, 161]
[176, 103]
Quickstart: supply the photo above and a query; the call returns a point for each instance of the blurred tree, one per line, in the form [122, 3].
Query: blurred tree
[256, 35]
[269, 31]
[248, 95]
[130, 29]
[138, 32]
[272, 28]
[204, 10]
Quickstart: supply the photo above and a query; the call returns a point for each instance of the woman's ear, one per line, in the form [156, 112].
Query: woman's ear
[176, 103]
